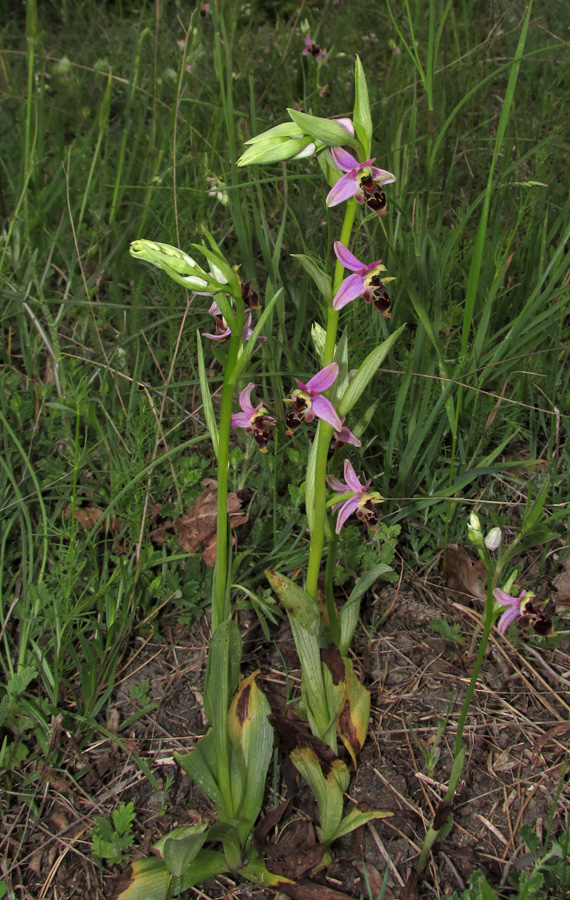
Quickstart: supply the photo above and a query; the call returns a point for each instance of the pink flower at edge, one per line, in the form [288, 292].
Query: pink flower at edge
[360, 503]
[349, 184]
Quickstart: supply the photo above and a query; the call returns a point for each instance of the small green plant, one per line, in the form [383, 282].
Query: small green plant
[542, 874]
[451, 633]
[507, 609]
[111, 840]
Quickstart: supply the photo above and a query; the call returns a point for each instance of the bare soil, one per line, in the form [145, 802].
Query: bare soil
[516, 738]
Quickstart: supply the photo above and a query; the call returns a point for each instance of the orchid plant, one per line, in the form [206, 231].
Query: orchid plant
[229, 763]
[501, 610]
[333, 701]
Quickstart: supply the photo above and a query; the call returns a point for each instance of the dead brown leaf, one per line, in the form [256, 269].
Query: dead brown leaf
[296, 852]
[196, 529]
[463, 575]
[88, 516]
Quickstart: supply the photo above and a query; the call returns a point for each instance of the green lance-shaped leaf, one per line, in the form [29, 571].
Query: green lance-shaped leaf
[310, 479]
[282, 132]
[348, 616]
[319, 339]
[341, 358]
[328, 782]
[201, 765]
[222, 672]
[320, 277]
[327, 131]
[206, 398]
[252, 740]
[362, 119]
[306, 625]
[181, 846]
[181, 267]
[365, 373]
[149, 879]
[349, 699]
[226, 309]
[249, 346]
[356, 817]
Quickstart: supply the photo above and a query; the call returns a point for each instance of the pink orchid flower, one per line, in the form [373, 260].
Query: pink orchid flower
[313, 49]
[363, 181]
[253, 419]
[365, 282]
[523, 609]
[308, 401]
[362, 502]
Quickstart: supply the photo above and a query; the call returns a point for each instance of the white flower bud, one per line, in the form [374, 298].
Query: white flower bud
[474, 522]
[493, 539]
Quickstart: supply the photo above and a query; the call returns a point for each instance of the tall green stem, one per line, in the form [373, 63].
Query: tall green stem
[324, 431]
[221, 607]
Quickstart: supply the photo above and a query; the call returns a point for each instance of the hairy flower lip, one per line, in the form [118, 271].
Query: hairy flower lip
[253, 419]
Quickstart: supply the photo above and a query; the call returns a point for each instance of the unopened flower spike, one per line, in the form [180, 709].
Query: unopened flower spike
[253, 419]
[308, 401]
[362, 502]
[363, 181]
[523, 609]
[365, 282]
[286, 141]
[181, 267]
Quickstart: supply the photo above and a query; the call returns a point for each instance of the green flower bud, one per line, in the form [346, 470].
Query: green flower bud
[278, 144]
[474, 530]
[179, 265]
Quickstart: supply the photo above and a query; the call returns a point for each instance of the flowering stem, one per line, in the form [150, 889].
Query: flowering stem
[221, 601]
[323, 437]
[221, 608]
[324, 433]
[432, 833]
[332, 315]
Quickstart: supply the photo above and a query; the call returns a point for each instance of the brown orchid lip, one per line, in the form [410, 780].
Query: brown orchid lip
[377, 294]
[370, 192]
